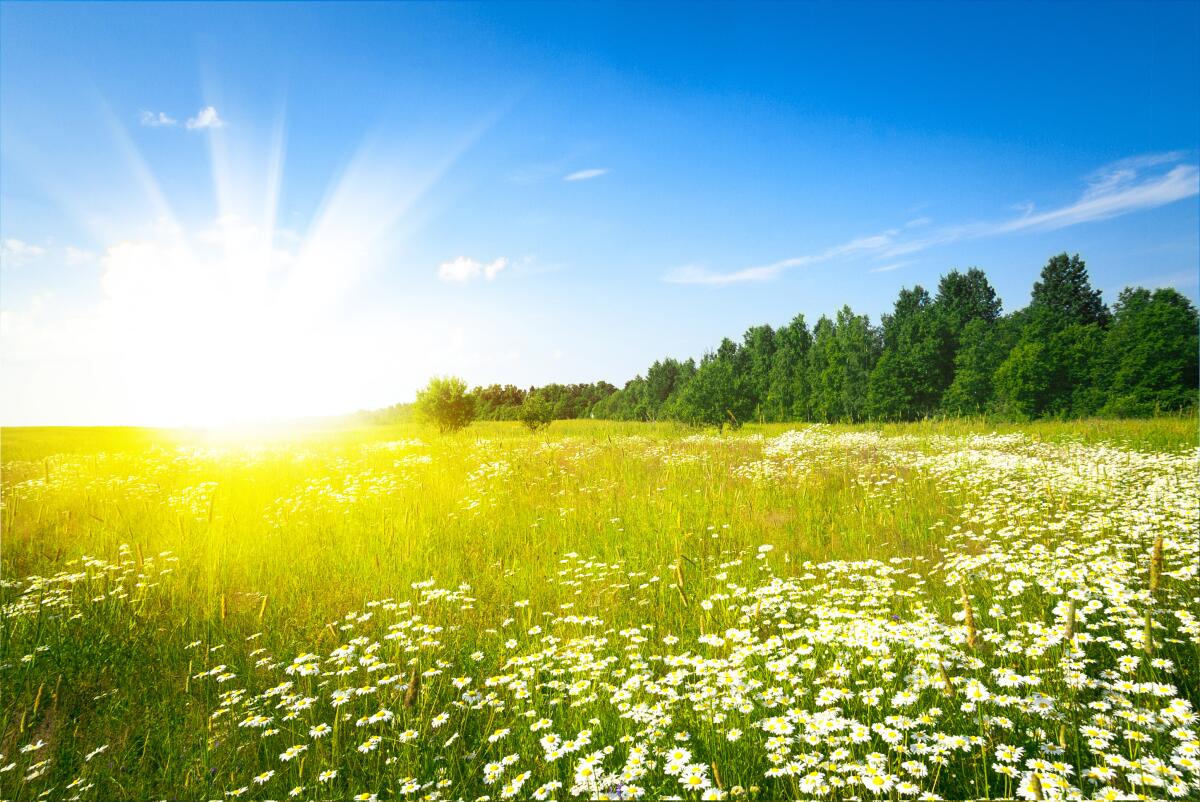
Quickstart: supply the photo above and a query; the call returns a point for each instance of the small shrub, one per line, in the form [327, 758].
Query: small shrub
[445, 403]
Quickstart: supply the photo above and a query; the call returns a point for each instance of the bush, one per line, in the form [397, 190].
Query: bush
[445, 402]
[536, 412]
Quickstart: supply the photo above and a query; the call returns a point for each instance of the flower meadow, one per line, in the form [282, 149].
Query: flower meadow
[605, 611]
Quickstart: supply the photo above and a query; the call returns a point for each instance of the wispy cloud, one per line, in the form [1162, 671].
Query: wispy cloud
[207, 117]
[693, 274]
[15, 252]
[891, 267]
[78, 256]
[464, 269]
[1120, 193]
[1129, 185]
[158, 119]
[584, 175]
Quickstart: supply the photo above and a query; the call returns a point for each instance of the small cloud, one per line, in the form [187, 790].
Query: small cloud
[918, 222]
[492, 269]
[158, 119]
[584, 175]
[694, 274]
[889, 268]
[78, 256]
[206, 118]
[14, 251]
[464, 269]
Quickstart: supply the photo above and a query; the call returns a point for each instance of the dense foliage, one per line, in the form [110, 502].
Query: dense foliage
[445, 403]
[953, 353]
[1066, 355]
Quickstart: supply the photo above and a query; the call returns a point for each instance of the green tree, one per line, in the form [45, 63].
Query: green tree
[787, 395]
[1063, 296]
[1152, 353]
[905, 382]
[446, 403]
[536, 412]
[1023, 380]
[961, 299]
[839, 366]
[758, 348]
[1055, 367]
[716, 396]
[1079, 379]
[983, 348]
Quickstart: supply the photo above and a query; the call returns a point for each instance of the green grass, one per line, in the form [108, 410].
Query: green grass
[276, 535]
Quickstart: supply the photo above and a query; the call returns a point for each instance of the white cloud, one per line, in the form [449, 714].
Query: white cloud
[158, 119]
[78, 256]
[891, 267]
[207, 117]
[464, 269]
[692, 274]
[15, 252]
[584, 175]
[1119, 194]
[1119, 188]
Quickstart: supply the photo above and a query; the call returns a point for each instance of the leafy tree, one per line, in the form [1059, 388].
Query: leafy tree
[787, 396]
[1054, 367]
[1063, 296]
[1077, 388]
[823, 402]
[716, 396]
[445, 402]
[1152, 353]
[497, 402]
[758, 348]
[961, 299]
[1022, 382]
[984, 347]
[839, 366]
[663, 379]
[536, 412]
[905, 382]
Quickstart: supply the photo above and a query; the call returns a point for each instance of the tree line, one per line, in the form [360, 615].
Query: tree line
[950, 353]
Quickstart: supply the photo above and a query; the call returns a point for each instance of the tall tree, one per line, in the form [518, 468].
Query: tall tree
[1152, 353]
[859, 346]
[961, 299]
[787, 390]
[758, 348]
[716, 395]
[1053, 368]
[840, 363]
[821, 369]
[983, 348]
[905, 383]
[1063, 296]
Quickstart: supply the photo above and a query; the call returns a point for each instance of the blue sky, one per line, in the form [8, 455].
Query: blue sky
[214, 212]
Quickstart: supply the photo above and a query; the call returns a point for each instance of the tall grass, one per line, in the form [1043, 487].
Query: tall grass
[205, 548]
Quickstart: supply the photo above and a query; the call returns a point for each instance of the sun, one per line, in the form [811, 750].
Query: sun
[235, 319]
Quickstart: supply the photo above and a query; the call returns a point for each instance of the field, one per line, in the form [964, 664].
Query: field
[953, 610]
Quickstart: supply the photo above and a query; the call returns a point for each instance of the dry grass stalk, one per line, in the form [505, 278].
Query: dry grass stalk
[414, 687]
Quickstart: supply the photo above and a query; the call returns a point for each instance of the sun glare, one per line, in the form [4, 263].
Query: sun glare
[239, 320]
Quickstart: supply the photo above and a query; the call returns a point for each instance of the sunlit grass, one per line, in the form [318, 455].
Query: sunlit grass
[247, 550]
